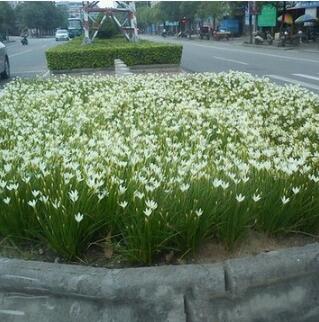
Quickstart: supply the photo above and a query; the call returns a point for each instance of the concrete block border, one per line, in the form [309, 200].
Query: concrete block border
[121, 69]
[276, 286]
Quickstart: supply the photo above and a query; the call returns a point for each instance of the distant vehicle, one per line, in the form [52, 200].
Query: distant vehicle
[204, 31]
[230, 25]
[62, 34]
[4, 62]
[74, 27]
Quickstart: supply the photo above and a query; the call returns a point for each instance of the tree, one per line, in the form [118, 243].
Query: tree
[214, 9]
[43, 16]
[7, 19]
[145, 16]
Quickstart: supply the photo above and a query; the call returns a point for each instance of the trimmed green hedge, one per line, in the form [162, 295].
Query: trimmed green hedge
[101, 54]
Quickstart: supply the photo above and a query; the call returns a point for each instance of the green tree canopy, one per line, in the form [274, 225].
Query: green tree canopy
[40, 15]
[7, 18]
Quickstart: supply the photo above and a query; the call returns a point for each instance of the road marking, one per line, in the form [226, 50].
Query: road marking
[21, 53]
[307, 76]
[231, 60]
[294, 81]
[258, 53]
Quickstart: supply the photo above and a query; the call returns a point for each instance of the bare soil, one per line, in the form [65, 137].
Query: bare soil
[211, 252]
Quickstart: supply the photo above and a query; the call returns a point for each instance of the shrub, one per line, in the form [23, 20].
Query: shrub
[101, 54]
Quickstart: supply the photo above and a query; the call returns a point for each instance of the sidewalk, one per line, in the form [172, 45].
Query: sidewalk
[244, 41]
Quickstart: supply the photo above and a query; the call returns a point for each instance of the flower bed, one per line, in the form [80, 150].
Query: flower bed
[101, 54]
[155, 163]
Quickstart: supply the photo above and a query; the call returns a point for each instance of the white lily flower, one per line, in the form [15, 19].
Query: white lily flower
[7, 200]
[123, 204]
[284, 200]
[256, 198]
[78, 217]
[74, 196]
[32, 203]
[151, 204]
[148, 212]
[240, 198]
[199, 212]
[296, 190]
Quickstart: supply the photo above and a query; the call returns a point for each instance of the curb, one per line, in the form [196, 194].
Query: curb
[121, 69]
[276, 286]
[268, 47]
[82, 71]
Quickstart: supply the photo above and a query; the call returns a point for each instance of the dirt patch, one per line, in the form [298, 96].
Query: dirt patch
[211, 252]
[254, 244]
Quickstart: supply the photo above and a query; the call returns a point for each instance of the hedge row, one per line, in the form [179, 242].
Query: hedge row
[101, 54]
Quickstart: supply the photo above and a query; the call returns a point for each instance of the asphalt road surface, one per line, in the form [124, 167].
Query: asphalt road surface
[29, 61]
[282, 66]
[293, 66]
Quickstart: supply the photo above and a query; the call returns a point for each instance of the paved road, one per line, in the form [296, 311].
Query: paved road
[293, 66]
[29, 61]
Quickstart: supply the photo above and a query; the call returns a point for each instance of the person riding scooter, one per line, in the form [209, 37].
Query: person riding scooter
[24, 40]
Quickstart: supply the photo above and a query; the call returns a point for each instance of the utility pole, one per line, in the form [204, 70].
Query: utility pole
[250, 23]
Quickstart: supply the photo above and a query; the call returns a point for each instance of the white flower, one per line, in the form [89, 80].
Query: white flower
[13, 186]
[123, 204]
[35, 193]
[284, 200]
[151, 204]
[148, 212]
[217, 183]
[101, 195]
[199, 212]
[122, 189]
[7, 200]
[225, 185]
[2, 184]
[74, 195]
[44, 199]
[78, 217]
[256, 198]
[295, 190]
[138, 194]
[184, 187]
[32, 203]
[240, 197]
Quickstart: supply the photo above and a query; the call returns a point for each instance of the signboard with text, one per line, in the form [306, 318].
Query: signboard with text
[268, 16]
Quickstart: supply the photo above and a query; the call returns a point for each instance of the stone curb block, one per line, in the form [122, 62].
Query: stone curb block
[271, 267]
[159, 68]
[166, 293]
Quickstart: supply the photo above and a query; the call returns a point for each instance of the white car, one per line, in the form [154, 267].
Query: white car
[4, 62]
[62, 34]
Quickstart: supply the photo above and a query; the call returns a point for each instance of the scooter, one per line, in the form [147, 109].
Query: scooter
[24, 41]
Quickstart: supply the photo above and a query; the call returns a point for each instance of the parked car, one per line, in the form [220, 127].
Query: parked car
[4, 62]
[62, 34]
